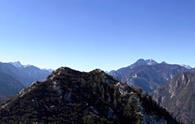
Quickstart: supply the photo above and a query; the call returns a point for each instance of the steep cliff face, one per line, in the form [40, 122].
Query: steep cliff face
[178, 97]
[74, 97]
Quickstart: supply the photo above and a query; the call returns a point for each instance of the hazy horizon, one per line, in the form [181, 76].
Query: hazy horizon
[85, 35]
[96, 67]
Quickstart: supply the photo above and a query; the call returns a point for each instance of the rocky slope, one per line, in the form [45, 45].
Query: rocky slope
[178, 97]
[74, 97]
[147, 75]
[14, 77]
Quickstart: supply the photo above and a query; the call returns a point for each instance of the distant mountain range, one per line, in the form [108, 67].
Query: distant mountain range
[97, 96]
[72, 97]
[15, 76]
[148, 75]
[171, 85]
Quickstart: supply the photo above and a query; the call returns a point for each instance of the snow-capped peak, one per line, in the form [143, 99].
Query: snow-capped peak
[187, 66]
[144, 62]
[17, 64]
[150, 62]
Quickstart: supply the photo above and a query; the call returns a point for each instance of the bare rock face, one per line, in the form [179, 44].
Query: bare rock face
[178, 97]
[73, 97]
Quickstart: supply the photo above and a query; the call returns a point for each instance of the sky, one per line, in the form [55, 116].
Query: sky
[89, 34]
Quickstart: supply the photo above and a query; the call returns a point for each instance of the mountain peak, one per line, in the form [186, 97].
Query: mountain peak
[96, 71]
[140, 62]
[17, 64]
[151, 61]
[187, 66]
[63, 71]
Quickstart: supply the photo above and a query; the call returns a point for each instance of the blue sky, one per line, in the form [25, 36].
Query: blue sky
[88, 34]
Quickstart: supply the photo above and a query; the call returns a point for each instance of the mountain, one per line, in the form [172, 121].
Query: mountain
[17, 64]
[73, 97]
[141, 62]
[15, 76]
[187, 66]
[30, 73]
[9, 86]
[178, 97]
[147, 75]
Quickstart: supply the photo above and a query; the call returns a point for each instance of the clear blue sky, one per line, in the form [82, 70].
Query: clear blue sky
[88, 34]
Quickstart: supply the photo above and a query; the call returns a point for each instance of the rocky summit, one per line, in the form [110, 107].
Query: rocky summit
[73, 97]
